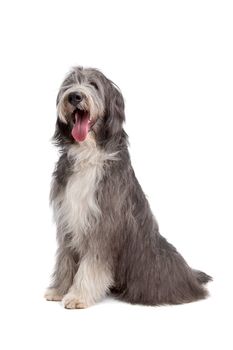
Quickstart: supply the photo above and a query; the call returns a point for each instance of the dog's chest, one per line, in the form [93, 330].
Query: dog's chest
[77, 209]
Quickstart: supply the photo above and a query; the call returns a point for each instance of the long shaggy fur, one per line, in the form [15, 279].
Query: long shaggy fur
[108, 238]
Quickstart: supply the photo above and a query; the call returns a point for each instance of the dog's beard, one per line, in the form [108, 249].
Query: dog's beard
[79, 120]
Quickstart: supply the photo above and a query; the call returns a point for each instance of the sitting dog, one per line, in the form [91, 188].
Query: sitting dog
[108, 238]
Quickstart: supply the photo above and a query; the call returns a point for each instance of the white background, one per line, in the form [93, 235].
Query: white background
[173, 61]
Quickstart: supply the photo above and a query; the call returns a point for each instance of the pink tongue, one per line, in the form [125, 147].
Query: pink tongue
[80, 129]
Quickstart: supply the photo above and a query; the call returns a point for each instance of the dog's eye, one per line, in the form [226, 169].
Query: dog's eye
[94, 85]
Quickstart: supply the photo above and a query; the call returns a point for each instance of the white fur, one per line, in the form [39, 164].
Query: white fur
[76, 209]
[90, 285]
[51, 294]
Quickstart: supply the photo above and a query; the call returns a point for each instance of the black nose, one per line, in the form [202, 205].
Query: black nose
[74, 98]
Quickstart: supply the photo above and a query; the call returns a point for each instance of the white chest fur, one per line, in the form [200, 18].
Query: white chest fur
[76, 208]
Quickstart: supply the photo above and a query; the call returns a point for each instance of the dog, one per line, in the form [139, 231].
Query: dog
[108, 238]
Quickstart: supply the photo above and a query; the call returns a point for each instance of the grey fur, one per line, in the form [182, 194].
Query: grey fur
[146, 269]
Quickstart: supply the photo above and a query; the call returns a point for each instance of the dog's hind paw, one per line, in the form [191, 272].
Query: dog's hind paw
[51, 294]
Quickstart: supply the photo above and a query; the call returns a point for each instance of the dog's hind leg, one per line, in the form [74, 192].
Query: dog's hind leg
[62, 278]
[157, 275]
[91, 283]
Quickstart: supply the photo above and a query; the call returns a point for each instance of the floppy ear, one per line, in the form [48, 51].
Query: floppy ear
[115, 112]
[62, 134]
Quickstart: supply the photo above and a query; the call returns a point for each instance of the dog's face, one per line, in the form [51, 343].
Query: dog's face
[88, 102]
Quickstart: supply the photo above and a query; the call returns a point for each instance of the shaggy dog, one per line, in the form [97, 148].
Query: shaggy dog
[108, 238]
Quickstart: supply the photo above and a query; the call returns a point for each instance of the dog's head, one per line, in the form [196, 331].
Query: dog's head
[88, 102]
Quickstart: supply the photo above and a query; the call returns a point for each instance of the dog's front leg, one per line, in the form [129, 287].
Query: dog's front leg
[91, 283]
[64, 272]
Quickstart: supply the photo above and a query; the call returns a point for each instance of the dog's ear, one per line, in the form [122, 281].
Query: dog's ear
[115, 111]
[62, 134]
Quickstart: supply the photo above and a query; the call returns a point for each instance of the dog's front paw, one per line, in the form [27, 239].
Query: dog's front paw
[71, 301]
[51, 294]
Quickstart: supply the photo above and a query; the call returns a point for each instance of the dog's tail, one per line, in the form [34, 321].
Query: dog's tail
[202, 277]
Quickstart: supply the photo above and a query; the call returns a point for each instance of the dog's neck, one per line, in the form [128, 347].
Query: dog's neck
[88, 153]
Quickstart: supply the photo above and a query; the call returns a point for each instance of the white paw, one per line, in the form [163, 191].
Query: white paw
[51, 294]
[71, 301]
